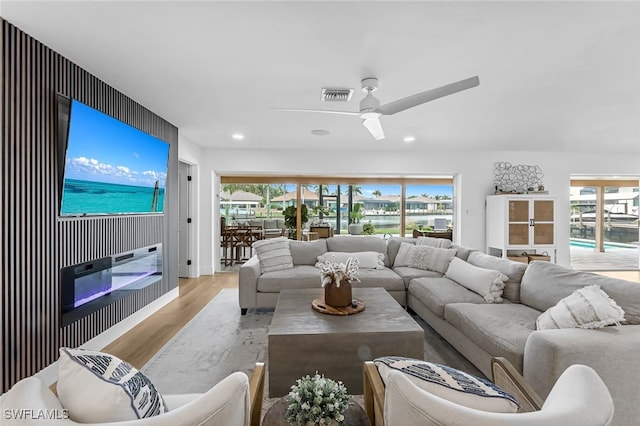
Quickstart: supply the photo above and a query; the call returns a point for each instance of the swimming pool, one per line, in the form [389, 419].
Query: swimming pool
[592, 244]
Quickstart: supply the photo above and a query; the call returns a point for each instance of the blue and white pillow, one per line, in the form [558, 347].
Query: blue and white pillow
[99, 388]
[450, 384]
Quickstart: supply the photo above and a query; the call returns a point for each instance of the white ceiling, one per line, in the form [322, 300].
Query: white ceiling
[554, 76]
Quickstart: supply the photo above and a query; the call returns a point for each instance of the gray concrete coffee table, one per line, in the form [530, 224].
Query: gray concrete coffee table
[302, 341]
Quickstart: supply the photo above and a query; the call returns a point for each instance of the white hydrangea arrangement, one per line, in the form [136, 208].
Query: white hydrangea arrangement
[317, 400]
[338, 272]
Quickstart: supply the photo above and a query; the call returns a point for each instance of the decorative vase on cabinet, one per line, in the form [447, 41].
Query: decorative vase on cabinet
[521, 223]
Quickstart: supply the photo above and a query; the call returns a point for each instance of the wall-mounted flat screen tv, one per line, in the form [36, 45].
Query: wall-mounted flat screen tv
[109, 167]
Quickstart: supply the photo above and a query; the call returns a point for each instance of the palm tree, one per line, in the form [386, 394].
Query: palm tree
[377, 193]
[356, 189]
[325, 189]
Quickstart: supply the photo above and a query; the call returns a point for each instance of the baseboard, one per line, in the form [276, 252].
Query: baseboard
[49, 375]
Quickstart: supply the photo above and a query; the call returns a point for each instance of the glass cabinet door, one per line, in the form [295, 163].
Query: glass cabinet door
[543, 210]
[518, 211]
[519, 222]
[543, 222]
[543, 233]
[519, 234]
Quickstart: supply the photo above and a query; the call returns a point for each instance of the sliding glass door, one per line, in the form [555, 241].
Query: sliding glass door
[383, 207]
[604, 226]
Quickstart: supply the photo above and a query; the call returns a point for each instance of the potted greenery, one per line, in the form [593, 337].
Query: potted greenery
[356, 215]
[368, 228]
[291, 216]
[317, 401]
[321, 210]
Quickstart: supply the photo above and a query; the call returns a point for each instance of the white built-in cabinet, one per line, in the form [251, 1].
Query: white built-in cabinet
[521, 223]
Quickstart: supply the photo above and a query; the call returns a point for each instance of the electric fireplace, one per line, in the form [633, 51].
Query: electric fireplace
[90, 286]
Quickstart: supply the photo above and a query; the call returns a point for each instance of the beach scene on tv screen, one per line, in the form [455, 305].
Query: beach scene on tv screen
[110, 167]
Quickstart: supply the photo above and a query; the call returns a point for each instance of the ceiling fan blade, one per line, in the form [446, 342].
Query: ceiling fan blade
[426, 96]
[374, 127]
[325, 111]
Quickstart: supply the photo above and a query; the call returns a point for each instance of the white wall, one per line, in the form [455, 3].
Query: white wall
[473, 172]
[191, 154]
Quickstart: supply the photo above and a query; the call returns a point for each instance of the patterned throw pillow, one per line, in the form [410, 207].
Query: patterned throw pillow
[99, 388]
[274, 254]
[433, 242]
[587, 307]
[430, 258]
[450, 384]
[366, 259]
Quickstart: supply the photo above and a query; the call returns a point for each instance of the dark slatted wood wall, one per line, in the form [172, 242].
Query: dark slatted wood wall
[35, 243]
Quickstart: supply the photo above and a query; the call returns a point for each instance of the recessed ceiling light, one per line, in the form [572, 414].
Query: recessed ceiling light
[237, 136]
[409, 139]
[320, 132]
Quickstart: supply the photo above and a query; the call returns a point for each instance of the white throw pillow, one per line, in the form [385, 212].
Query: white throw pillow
[587, 307]
[402, 258]
[430, 258]
[433, 242]
[486, 282]
[274, 254]
[367, 259]
[100, 388]
[451, 384]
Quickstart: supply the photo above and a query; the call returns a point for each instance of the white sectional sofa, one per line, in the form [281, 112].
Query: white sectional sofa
[481, 330]
[261, 290]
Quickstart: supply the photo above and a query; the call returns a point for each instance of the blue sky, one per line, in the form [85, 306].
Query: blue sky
[367, 190]
[103, 149]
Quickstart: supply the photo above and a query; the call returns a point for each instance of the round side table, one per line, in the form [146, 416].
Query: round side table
[354, 415]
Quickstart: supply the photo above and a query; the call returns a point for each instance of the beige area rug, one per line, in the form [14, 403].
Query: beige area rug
[219, 341]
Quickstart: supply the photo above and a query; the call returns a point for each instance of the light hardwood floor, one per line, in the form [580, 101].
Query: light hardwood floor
[143, 341]
[139, 344]
[625, 275]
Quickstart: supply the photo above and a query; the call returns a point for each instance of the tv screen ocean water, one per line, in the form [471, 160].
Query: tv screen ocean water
[111, 167]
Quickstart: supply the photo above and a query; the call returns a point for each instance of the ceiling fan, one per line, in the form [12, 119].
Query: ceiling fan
[371, 110]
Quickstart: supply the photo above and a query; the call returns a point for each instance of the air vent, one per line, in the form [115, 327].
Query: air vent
[336, 94]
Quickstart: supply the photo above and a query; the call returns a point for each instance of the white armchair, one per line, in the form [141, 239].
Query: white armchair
[578, 398]
[235, 400]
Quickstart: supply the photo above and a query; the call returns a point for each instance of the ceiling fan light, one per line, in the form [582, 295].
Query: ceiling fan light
[409, 139]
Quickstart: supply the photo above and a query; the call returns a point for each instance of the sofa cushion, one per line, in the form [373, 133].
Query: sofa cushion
[97, 387]
[513, 271]
[545, 283]
[462, 252]
[433, 242]
[393, 245]
[300, 276]
[486, 282]
[431, 258]
[306, 252]
[346, 243]
[274, 254]
[407, 273]
[436, 293]
[588, 307]
[451, 384]
[499, 329]
[270, 224]
[402, 255]
[366, 259]
[384, 278]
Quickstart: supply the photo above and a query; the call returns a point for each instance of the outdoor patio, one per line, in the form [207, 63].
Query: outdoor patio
[617, 258]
